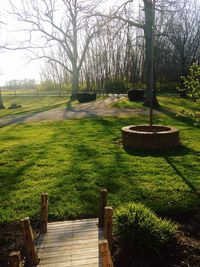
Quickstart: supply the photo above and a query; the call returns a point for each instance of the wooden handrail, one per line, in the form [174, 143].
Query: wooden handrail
[105, 254]
[108, 225]
[29, 242]
[102, 204]
[44, 213]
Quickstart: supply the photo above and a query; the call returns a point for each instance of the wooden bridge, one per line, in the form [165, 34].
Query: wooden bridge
[78, 243]
[70, 244]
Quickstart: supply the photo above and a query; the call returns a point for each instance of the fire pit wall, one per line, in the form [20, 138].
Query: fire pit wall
[146, 137]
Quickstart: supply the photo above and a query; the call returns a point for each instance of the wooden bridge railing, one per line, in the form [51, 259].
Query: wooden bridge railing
[105, 221]
[29, 243]
[105, 254]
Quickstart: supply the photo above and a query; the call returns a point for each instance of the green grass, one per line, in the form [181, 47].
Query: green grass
[171, 103]
[124, 103]
[72, 160]
[31, 104]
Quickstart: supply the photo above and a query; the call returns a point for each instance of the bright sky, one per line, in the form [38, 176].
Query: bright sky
[14, 64]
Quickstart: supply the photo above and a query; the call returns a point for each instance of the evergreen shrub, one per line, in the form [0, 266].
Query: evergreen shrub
[136, 95]
[86, 97]
[136, 225]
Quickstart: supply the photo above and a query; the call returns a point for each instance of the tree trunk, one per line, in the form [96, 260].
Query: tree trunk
[75, 84]
[1, 101]
[148, 34]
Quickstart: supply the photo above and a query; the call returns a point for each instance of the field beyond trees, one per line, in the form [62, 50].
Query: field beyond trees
[73, 159]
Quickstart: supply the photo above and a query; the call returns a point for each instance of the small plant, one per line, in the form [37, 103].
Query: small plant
[137, 226]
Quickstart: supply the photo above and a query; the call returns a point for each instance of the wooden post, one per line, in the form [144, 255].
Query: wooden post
[105, 254]
[29, 242]
[108, 225]
[15, 259]
[44, 213]
[103, 201]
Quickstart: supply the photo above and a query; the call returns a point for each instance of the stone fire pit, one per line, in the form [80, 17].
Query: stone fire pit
[146, 137]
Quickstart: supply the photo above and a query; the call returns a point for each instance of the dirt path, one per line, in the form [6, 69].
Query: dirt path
[91, 109]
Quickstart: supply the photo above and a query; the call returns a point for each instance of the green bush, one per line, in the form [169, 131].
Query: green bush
[86, 97]
[192, 82]
[191, 85]
[136, 94]
[136, 225]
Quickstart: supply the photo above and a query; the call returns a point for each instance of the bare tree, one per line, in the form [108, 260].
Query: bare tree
[123, 13]
[67, 24]
[182, 37]
[52, 71]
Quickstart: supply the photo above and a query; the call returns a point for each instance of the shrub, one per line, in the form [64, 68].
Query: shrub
[137, 226]
[86, 97]
[14, 106]
[135, 95]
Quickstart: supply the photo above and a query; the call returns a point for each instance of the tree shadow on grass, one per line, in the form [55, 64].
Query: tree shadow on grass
[74, 193]
[177, 117]
[21, 117]
[185, 180]
[69, 104]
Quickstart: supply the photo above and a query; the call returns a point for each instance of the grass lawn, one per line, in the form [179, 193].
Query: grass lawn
[73, 159]
[31, 104]
[167, 103]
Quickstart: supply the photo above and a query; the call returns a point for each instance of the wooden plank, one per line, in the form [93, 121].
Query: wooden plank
[79, 263]
[77, 244]
[75, 229]
[65, 249]
[74, 251]
[77, 222]
[69, 257]
[69, 234]
[67, 243]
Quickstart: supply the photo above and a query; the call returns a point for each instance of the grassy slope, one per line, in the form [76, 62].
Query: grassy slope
[73, 159]
[31, 104]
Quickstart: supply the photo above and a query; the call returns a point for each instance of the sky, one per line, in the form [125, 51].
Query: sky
[15, 64]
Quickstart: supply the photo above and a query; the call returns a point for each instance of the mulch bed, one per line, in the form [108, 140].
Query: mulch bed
[184, 252]
[11, 239]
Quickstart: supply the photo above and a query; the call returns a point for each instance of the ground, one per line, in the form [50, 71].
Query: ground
[101, 107]
[72, 154]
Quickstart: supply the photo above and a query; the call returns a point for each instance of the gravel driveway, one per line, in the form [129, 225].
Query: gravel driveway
[91, 109]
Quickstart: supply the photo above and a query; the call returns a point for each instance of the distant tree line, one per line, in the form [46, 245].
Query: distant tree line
[115, 58]
[20, 84]
[108, 51]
